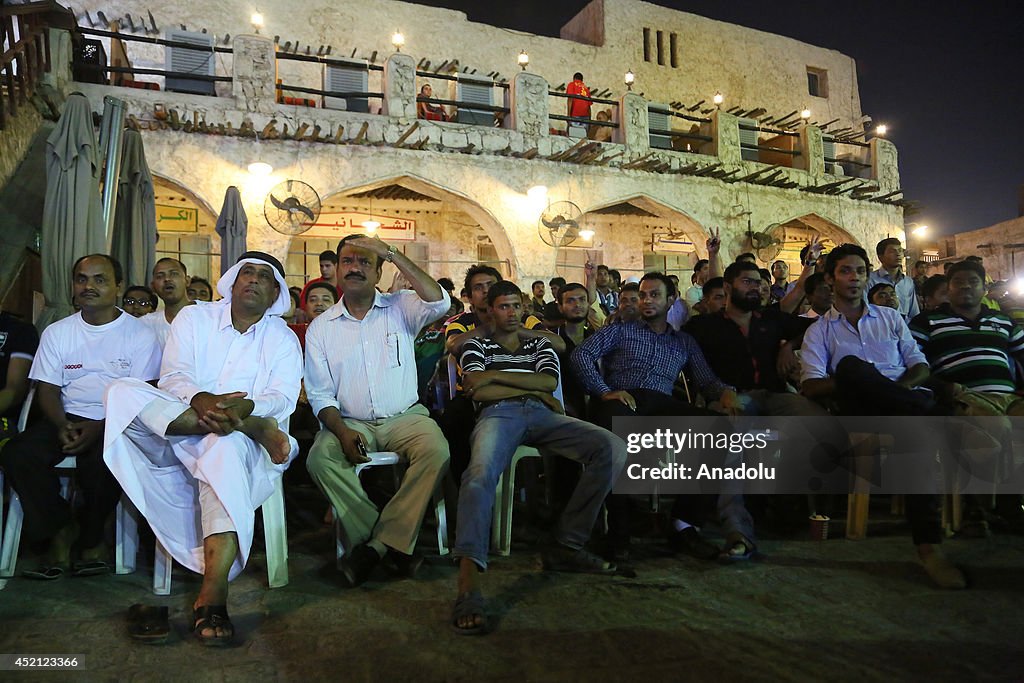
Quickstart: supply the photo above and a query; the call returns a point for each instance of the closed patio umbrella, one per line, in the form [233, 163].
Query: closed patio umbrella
[134, 243]
[232, 226]
[72, 210]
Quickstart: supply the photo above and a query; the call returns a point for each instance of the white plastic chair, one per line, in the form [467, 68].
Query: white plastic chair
[379, 459]
[501, 519]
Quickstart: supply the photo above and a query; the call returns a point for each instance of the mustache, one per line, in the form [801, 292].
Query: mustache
[355, 276]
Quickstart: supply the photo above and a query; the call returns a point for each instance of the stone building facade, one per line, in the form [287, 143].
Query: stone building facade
[456, 193]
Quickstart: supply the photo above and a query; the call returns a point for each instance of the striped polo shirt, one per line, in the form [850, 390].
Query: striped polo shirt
[975, 353]
[533, 355]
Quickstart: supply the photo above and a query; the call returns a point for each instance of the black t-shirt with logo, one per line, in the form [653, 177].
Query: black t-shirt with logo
[17, 340]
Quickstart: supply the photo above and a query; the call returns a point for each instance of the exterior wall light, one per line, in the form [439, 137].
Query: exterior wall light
[371, 226]
[629, 78]
[718, 99]
[257, 21]
[260, 168]
[524, 60]
[881, 129]
[397, 40]
[587, 234]
[805, 114]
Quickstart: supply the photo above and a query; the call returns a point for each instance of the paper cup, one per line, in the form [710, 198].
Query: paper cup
[819, 527]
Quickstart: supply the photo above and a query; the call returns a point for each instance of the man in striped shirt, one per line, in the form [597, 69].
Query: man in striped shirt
[512, 378]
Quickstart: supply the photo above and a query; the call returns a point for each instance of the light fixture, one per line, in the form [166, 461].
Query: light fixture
[397, 40]
[881, 129]
[629, 78]
[537, 193]
[260, 168]
[919, 231]
[257, 21]
[587, 234]
[524, 60]
[805, 114]
[371, 226]
[718, 99]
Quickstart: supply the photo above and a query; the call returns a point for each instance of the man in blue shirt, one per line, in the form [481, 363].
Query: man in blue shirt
[890, 254]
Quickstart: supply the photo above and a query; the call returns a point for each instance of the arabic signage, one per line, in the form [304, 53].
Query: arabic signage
[337, 224]
[176, 219]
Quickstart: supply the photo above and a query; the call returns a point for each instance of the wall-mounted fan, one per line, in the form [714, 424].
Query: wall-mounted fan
[766, 244]
[559, 225]
[292, 207]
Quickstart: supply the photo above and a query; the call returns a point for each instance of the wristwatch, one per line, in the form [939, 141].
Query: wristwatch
[390, 256]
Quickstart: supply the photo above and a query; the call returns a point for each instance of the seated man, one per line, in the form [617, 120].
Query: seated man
[138, 301]
[320, 296]
[641, 362]
[361, 383]
[18, 344]
[198, 455]
[972, 346]
[819, 297]
[512, 377]
[713, 298]
[934, 293]
[78, 358]
[199, 289]
[629, 305]
[884, 380]
[429, 110]
[884, 294]
[170, 282]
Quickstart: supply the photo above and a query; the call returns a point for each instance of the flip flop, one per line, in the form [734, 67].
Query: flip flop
[90, 568]
[148, 623]
[44, 573]
[468, 605]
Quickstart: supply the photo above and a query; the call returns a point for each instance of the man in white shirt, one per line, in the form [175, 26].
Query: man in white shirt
[198, 455]
[170, 282]
[890, 255]
[77, 360]
[361, 383]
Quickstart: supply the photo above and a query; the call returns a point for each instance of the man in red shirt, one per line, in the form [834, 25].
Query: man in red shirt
[576, 107]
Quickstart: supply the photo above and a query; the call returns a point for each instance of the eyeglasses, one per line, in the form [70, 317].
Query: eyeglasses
[145, 303]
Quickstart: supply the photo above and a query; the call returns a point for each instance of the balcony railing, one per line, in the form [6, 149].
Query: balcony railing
[25, 55]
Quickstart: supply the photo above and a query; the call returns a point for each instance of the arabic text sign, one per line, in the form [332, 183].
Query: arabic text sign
[176, 219]
[336, 225]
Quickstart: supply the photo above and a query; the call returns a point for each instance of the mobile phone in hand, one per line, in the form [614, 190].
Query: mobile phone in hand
[362, 448]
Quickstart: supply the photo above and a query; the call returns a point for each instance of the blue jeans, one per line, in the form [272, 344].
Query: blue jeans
[506, 425]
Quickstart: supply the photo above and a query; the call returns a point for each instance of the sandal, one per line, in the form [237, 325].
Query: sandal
[212, 617]
[44, 573]
[148, 623]
[740, 551]
[471, 604]
[562, 559]
[90, 568]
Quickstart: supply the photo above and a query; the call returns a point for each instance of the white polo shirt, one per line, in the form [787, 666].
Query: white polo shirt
[83, 359]
[367, 368]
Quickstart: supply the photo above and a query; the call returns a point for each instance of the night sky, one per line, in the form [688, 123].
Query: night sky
[946, 76]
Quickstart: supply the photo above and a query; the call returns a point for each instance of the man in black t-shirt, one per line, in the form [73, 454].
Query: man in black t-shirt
[18, 344]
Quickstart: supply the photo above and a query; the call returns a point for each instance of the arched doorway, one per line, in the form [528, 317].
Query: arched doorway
[185, 227]
[441, 231]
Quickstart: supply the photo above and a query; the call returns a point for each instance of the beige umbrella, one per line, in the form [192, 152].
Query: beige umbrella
[72, 211]
[134, 243]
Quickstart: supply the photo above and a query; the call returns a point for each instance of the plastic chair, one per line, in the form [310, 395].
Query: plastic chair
[379, 459]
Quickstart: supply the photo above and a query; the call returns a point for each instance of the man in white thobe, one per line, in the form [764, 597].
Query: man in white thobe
[198, 455]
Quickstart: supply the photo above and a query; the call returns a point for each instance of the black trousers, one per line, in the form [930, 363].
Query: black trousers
[649, 403]
[457, 423]
[29, 461]
[862, 390]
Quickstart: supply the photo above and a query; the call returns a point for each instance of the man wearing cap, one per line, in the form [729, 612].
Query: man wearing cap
[361, 382]
[210, 439]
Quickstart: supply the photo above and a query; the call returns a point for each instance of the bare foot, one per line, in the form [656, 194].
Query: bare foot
[264, 431]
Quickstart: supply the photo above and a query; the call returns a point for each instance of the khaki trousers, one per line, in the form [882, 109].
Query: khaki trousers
[418, 440]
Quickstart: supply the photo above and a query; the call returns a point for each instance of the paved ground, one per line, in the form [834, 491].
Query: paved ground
[838, 610]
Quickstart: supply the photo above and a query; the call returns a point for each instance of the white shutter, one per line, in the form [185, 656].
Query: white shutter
[352, 78]
[200, 61]
[748, 137]
[658, 120]
[475, 92]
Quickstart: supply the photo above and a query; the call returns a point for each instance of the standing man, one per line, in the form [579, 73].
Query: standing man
[781, 285]
[79, 357]
[890, 254]
[328, 274]
[512, 378]
[170, 282]
[701, 271]
[199, 454]
[552, 316]
[538, 303]
[574, 106]
[884, 379]
[361, 383]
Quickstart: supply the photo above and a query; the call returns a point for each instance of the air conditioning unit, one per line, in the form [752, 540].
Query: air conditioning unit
[471, 92]
[658, 120]
[748, 138]
[182, 60]
[348, 78]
